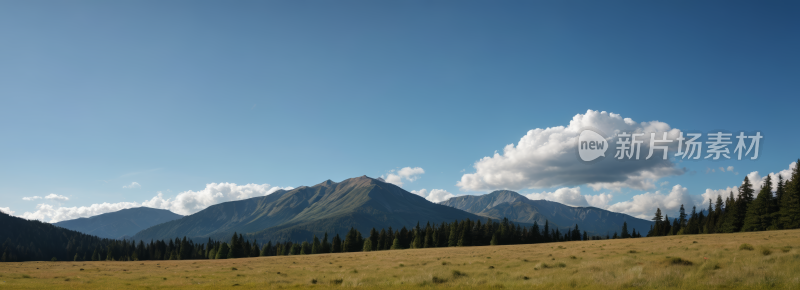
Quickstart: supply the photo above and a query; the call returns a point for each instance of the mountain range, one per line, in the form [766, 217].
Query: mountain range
[120, 224]
[518, 208]
[362, 203]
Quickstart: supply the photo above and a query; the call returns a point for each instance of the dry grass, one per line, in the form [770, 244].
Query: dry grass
[714, 261]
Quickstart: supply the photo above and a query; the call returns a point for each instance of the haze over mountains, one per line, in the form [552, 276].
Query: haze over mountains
[120, 224]
[362, 203]
[515, 207]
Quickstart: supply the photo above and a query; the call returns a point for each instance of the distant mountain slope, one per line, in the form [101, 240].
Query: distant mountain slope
[120, 224]
[505, 203]
[31, 240]
[298, 214]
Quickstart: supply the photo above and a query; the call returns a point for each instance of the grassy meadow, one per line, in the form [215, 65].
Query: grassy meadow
[761, 260]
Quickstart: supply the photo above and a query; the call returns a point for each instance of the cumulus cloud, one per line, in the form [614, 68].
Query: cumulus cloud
[755, 179]
[435, 195]
[573, 197]
[185, 203]
[57, 197]
[132, 185]
[644, 205]
[7, 210]
[409, 174]
[545, 158]
[29, 198]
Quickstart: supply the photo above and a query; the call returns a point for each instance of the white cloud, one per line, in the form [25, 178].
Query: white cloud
[545, 158]
[7, 210]
[435, 195]
[644, 205]
[755, 179]
[54, 196]
[132, 185]
[599, 200]
[573, 197]
[713, 193]
[185, 203]
[29, 198]
[406, 173]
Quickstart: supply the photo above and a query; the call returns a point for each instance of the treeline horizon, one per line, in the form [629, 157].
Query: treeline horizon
[744, 212]
[83, 247]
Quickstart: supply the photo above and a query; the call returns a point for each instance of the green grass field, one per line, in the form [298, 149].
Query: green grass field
[721, 261]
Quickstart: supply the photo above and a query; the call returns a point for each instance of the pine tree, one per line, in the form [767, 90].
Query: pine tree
[417, 242]
[266, 250]
[466, 235]
[428, 238]
[396, 244]
[681, 219]
[350, 241]
[367, 245]
[453, 240]
[233, 247]
[656, 231]
[305, 248]
[790, 201]
[742, 203]
[758, 216]
[373, 239]
[223, 252]
[336, 245]
[494, 240]
[625, 233]
[326, 247]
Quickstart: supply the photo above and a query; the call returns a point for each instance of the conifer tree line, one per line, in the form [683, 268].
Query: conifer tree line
[744, 211]
[82, 247]
[456, 234]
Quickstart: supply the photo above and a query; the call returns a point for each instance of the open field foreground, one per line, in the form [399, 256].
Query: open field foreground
[685, 262]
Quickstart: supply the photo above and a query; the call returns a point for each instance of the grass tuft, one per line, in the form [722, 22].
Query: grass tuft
[337, 281]
[748, 247]
[765, 251]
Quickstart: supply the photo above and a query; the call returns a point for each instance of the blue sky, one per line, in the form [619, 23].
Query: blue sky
[95, 95]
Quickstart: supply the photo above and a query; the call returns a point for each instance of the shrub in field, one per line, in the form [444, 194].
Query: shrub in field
[786, 249]
[748, 247]
[679, 261]
[765, 251]
[437, 280]
[457, 274]
[337, 281]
